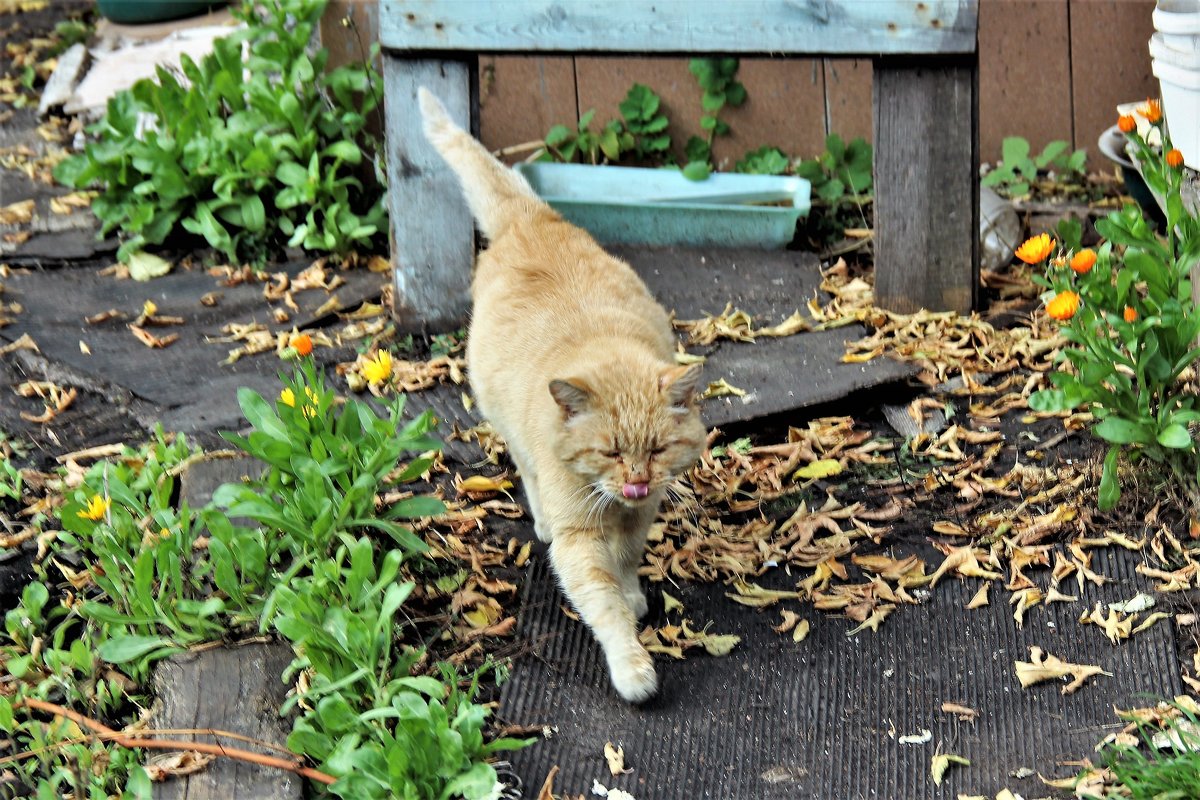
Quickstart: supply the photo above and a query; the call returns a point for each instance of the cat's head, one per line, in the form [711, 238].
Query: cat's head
[629, 431]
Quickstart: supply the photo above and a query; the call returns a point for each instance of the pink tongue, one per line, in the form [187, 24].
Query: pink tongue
[635, 491]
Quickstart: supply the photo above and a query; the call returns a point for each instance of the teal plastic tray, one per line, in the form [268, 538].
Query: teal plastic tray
[659, 207]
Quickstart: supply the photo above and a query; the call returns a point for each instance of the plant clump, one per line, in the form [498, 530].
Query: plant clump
[1127, 310]
[251, 154]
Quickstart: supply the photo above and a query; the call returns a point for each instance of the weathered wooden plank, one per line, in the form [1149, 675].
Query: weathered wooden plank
[926, 184]
[1010, 87]
[237, 689]
[433, 241]
[681, 26]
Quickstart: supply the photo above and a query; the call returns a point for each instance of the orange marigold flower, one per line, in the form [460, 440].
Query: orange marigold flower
[1174, 159]
[1130, 313]
[1036, 249]
[302, 344]
[1126, 123]
[1152, 111]
[1063, 306]
[1082, 261]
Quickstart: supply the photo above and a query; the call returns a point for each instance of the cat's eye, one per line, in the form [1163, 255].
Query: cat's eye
[658, 451]
[613, 454]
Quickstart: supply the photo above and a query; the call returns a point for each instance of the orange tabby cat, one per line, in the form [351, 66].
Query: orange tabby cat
[570, 358]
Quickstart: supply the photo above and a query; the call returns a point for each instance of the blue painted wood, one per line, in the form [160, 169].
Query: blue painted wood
[433, 234]
[782, 27]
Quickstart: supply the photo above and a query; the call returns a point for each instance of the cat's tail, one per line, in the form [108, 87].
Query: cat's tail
[496, 194]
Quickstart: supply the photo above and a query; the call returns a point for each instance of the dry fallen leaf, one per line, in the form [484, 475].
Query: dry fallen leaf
[980, 598]
[964, 713]
[670, 604]
[615, 756]
[751, 594]
[824, 468]
[1043, 667]
[152, 341]
[942, 762]
[722, 388]
[17, 213]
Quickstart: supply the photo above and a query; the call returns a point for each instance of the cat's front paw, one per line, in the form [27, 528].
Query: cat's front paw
[637, 603]
[634, 677]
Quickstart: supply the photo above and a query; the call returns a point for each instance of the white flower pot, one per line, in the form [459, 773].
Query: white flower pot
[1181, 105]
[1179, 23]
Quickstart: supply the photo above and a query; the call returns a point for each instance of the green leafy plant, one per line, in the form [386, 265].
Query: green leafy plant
[1018, 170]
[1128, 313]
[764, 161]
[250, 155]
[646, 123]
[11, 482]
[308, 571]
[842, 184]
[325, 464]
[719, 85]
[585, 145]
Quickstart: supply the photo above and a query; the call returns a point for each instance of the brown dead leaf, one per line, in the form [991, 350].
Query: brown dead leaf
[1044, 667]
[18, 213]
[964, 713]
[152, 341]
[175, 765]
[615, 758]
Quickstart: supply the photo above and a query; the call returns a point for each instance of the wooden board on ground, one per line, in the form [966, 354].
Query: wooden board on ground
[57, 303]
[777, 374]
[236, 689]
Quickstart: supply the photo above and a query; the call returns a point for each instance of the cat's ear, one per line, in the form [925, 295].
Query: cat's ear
[573, 396]
[681, 384]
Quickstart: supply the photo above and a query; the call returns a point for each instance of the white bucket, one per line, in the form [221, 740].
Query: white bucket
[1177, 16]
[1178, 21]
[1162, 50]
[1181, 104]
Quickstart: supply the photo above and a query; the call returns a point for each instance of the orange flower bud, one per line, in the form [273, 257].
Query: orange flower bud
[1082, 261]
[1174, 159]
[1152, 111]
[1036, 249]
[1063, 306]
[1130, 313]
[1126, 123]
[302, 344]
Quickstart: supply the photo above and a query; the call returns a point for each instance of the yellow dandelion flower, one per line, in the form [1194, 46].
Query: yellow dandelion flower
[288, 397]
[97, 507]
[1063, 306]
[378, 369]
[1035, 250]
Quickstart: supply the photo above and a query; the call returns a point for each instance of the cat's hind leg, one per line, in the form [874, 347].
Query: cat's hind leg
[583, 561]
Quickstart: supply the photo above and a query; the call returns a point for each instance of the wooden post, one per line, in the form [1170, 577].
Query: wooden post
[433, 235]
[926, 183]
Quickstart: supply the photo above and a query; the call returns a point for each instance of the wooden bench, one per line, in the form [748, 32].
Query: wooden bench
[926, 120]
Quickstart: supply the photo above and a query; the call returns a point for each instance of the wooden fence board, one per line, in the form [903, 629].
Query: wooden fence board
[520, 97]
[847, 98]
[1024, 74]
[1110, 64]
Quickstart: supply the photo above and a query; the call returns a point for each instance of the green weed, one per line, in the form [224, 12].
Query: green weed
[251, 156]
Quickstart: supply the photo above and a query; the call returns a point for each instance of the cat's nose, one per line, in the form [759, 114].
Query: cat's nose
[635, 491]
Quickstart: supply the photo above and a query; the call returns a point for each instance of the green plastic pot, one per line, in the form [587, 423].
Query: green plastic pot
[140, 12]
